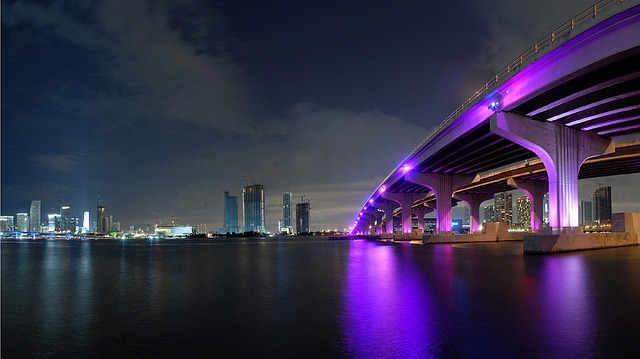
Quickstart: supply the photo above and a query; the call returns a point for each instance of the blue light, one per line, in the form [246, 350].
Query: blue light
[494, 106]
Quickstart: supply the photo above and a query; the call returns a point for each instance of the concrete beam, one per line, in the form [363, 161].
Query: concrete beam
[562, 150]
[442, 185]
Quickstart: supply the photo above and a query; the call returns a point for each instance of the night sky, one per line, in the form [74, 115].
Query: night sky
[160, 106]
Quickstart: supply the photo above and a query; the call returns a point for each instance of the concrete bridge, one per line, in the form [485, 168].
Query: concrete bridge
[564, 105]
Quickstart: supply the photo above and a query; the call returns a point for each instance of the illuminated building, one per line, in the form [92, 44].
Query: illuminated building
[253, 208]
[302, 217]
[101, 219]
[65, 219]
[286, 226]
[35, 216]
[230, 213]
[489, 213]
[6, 223]
[504, 207]
[85, 222]
[286, 209]
[586, 215]
[22, 222]
[53, 223]
[602, 205]
[523, 212]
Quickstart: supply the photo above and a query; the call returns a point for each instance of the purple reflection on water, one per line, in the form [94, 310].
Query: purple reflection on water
[388, 312]
[569, 318]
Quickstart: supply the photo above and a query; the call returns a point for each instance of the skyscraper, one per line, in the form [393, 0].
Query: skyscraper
[253, 208]
[65, 219]
[230, 213]
[101, 218]
[286, 209]
[35, 217]
[602, 205]
[86, 225]
[22, 222]
[504, 207]
[586, 215]
[523, 212]
[6, 223]
[302, 217]
[489, 213]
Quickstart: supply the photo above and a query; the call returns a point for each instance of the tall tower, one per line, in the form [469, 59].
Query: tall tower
[35, 217]
[102, 219]
[586, 208]
[253, 208]
[602, 205]
[65, 219]
[504, 207]
[22, 222]
[523, 208]
[286, 209]
[230, 213]
[85, 222]
[302, 217]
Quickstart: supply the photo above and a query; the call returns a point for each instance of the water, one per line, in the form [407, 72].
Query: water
[310, 297]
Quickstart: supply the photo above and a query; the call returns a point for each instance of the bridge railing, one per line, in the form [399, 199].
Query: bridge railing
[592, 15]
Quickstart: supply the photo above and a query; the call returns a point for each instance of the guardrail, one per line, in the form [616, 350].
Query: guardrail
[557, 37]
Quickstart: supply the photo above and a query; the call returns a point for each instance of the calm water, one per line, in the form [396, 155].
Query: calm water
[302, 297]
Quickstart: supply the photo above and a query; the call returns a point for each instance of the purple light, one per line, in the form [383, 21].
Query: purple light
[406, 168]
[383, 188]
[371, 200]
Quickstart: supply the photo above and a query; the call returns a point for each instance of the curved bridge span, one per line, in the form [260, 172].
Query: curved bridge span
[571, 98]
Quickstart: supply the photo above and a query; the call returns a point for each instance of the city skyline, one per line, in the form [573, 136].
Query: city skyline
[159, 108]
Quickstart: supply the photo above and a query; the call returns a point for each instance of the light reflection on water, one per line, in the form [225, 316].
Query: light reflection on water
[301, 297]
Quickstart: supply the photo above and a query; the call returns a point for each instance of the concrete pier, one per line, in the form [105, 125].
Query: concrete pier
[626, 232]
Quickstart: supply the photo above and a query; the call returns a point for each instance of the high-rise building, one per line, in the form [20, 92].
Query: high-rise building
[22, 222]
[6, 223]
[489, 213]
[35, 216]
[545, 210]
[286, 209]
[86, 225]
[230, 213]
[602, 205]
[101, 219]
[523, 212]
[504, 207]
[53, 222]
[253, 208]
[65, 219]
[302, 217]
[586, 213]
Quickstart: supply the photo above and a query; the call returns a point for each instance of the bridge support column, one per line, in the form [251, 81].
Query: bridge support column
[388, 209]
[420, 212]
[406, 201]
[535, 190]
[474, 200]
[562, 150]
[442, 185]
[370, 228]
[377, 219]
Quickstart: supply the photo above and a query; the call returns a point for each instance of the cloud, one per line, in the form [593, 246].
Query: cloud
[155, 70]
[61, 163]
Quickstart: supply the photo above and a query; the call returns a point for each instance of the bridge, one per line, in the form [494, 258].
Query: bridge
[566, 105]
